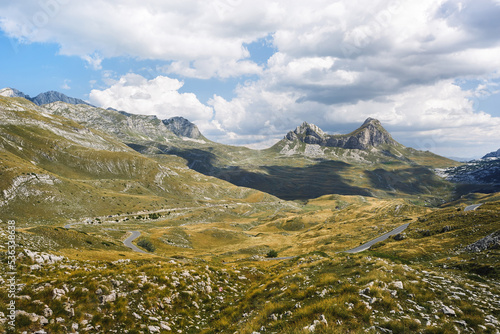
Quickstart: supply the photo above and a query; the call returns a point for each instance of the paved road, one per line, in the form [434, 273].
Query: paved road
[472, 207]
[279, 258]
[128, 242]
[379, 239]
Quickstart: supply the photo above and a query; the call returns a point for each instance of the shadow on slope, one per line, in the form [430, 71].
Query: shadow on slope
[285, 182]
[412, 181]
[296, 183]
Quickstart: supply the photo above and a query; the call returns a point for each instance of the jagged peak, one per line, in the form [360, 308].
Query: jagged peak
[306, 128]
[12, 92]
[182, 127]
[371, 120]
[369, 134]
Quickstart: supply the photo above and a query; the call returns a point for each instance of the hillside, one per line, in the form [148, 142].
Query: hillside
[78, 180]
[62, 170]
[307, 163]
[212, 276]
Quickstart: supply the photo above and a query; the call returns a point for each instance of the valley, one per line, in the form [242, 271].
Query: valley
[131, 224]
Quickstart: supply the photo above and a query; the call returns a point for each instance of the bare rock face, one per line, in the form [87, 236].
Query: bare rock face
[370, 134]
[493, 155]
[491, 241]
[182, 127]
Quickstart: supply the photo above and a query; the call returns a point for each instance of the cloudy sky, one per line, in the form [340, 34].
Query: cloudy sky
[246, 71]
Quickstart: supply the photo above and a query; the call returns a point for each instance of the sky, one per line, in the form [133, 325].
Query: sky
[247, 72]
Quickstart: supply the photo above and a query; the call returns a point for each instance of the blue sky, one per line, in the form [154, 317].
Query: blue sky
[246, 72]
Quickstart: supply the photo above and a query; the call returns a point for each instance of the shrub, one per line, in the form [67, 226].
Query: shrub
[146, 244]
[272, 253]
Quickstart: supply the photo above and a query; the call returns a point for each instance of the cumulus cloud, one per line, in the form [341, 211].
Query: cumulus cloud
[335, 62]
[191, 31]
[135, 94]
[438, 117]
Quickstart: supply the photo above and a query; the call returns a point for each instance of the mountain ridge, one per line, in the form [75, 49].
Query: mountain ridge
[494, 154]
[370, 134]
[43, 98]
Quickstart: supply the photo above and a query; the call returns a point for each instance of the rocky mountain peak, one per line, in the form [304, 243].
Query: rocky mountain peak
[53, 96]
[308, 133]
[493, 155]
[370, 134]
[43, 98]
[182, 127]
[371, 121]
[11, 92]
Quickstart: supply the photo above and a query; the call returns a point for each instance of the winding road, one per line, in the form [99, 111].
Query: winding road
[370, 243]
[472, 207]
[128, 242]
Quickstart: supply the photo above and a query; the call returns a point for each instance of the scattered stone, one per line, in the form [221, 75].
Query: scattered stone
[44, 321]
[154, 329]
[491, 241]
[163, 325]
[365, 291]
[398, 285]
[461, 322]
[448, 311]
[58, 293]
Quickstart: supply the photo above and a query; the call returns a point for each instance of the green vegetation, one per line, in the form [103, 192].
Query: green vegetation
[212, 264]
[272, 253]
[146, 244]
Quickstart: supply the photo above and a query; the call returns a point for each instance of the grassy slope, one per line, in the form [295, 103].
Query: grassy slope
[247, 295]
[53, 169]
[380, 172]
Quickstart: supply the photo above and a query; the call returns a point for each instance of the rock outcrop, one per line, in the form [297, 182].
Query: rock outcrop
[493, 155]
[491, 241]
[182, 127]
[370, 134]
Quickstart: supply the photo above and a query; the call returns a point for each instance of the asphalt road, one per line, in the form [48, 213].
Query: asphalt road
[128, 242]
[472, 207]
[367, 245]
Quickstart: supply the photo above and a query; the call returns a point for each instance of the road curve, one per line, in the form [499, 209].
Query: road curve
[472, 207]
[370, 243]
[128, 242]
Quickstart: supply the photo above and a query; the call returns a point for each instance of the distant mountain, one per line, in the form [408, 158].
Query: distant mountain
[371, 133]
[182, 127]
[11, 92]
[307, 163]
[53, 96]
[495, 154]
[62, 170]
[483, 172]
[476, 172]
[144, 131]
[42, 98]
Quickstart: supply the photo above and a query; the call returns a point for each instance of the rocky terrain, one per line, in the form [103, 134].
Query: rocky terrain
[311, 293]
[370, 134]
[216, 257]
[485, 171]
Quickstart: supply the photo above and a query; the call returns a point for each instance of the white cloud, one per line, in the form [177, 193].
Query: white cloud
[439, 117]
[195, 31]
[336, 62]
[135, 94]
[65, 85]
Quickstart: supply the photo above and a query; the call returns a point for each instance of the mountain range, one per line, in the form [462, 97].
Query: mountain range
[42, 98]
[131, 223]
[306, 163]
